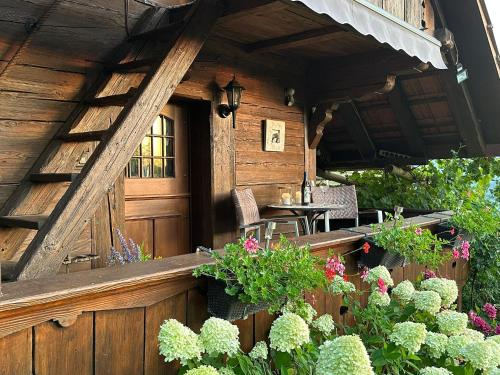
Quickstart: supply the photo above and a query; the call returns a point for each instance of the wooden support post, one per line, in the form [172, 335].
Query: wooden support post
[322, 116]
[357, 130]
[332, 176]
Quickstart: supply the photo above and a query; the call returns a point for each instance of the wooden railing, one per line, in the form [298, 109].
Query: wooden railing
[106, 321]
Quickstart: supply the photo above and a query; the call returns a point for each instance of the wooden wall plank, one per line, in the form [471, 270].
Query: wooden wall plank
[16, 353]
[196, 309]
[247, 329]
[262, 325]
[119, 342]
[67, 350]
[172, 308]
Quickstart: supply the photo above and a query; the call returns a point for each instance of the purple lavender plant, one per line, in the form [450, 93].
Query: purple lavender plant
[130, 252]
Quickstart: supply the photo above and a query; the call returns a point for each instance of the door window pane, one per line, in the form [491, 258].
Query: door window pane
[169, 168]
[146, 168]
[157, 168]
[134, 168]
[146, 146]
[169, 147]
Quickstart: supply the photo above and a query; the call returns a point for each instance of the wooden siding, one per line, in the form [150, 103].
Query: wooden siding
[106, 321]
[411, 11]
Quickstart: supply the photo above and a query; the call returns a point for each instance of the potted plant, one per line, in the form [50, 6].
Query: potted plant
[393, 245]
[246, 279]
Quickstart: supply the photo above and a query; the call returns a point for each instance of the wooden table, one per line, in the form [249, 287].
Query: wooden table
[311, 211]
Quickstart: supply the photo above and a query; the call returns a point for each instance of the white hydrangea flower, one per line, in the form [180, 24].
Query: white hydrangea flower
[495, 338]
[176, 341]
[340, 286]
[482, 355]
[492, 371]
[434, 371]
[451, 322]
[203, 370]
[404, 291]
[259, 351]
[447, 289]
[346, 355]
[379, 299]
[475, 335]
[226, 371]
[288, 332]
[379, 272]
[218, 336]
[409, 335]
[304, 310]
[324, 324]
[436, 344]
[456, 344]
[428, 301]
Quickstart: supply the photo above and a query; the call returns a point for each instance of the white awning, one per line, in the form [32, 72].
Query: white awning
[369, 19]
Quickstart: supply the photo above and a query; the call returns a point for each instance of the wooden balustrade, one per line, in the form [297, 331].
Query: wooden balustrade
[106, 321]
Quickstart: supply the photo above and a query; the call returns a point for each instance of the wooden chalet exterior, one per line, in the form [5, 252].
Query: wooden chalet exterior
[109, 119]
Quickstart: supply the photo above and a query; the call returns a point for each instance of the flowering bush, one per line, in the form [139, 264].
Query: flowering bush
[177, 341]
[485, 319]
[203, 370]
[404, 291]
[427, 300]
[218, 336]
[378, 298]
[409, 335]
[288, 332]
[377, 273]
[447, 289]
[259, 351]
[434, 371]
[130, 252]
[324, 324]
[304, 310]
[451, 322]
[436, 344]
[340, 286]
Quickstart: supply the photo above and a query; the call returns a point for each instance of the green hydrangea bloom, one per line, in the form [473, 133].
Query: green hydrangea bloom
[226, 371]
[346, 355]
[482, 355]
[379, 272]
[203, 370]
[404, 291]
[409, 335]
[340, 286]
[475, 335]
[436, 344]
[492, 371]
[447, 289]
[304, 310]
[451, 322]
[259, 351]
[456, 344]
[324, 324]
[176, 341]
[434, 371]
[288, 332]
[495, 338]
[218, 336]
[379, 299]
[428, 301]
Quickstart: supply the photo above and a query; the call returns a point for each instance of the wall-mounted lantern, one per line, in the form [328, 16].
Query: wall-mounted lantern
[289, 97]
[233, 91]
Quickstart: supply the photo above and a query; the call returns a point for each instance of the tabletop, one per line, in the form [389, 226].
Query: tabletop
[310, 207]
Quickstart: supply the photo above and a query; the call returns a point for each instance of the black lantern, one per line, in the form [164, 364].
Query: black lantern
[233, 91]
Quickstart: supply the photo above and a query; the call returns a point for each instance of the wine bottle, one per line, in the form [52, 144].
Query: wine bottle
[306, 191]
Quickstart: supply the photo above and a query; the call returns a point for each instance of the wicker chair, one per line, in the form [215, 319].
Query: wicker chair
[249, 218]
[345, 195]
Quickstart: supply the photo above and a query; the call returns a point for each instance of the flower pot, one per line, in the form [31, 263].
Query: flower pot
[222, 305]
[443, 232]
[377, 256]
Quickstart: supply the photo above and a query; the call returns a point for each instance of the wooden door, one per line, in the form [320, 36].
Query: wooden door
[157, 193]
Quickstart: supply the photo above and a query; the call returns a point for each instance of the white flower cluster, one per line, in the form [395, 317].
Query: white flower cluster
[456, 344]
[451, 322]
[346, 355]
[203, 370]
[259, 351]
[434, 371]
[409, 335]
[404, 291]
[377, 298]
[304, 310]
[482, 355]
[428, 301]
[226, 371]
[324, 324]
[447, 289]
[473, 334]
[288, 332]
[340, 286]
[176, 341]
[379, 272]
[218, 336]
[436, 344]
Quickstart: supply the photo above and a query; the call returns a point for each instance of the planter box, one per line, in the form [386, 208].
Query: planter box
[222, 305]
[378, 256]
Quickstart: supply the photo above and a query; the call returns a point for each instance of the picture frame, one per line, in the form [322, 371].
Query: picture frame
[274, 132]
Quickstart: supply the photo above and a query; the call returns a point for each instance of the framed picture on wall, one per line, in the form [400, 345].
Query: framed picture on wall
[274, 135]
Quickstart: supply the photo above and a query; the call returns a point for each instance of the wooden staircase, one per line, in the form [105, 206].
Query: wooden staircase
[66, 184]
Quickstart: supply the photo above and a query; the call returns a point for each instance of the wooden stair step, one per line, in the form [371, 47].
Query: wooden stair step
[159, 33]
[119, 100]
[136, 66]
[23, 221]
[92, 136]
[53, 177]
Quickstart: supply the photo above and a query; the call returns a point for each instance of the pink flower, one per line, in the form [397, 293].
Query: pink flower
[382, 288]
[452, 231]
[497, 330]
[490, 310]
[465, 245]
[428, 274]
[251, 245]
[364, 273]
[456, 253]
[480, 323]
[472, 316]
[336, 265]
[418, 231]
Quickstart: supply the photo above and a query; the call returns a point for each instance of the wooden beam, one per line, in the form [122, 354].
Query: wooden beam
[357, 130]
[332, 176]
[294, 40]
[406, 120]
[321, 117]
[462, 108]
[235, 9]
[54, 241]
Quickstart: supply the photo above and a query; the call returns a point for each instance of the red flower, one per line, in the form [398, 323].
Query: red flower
[366, 247]
[330, 273]
[346, 278]
[452, 231]
[381, 286]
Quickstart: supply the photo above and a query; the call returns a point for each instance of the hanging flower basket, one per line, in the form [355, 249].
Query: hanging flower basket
[378, 256]
[222, 305]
